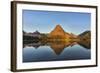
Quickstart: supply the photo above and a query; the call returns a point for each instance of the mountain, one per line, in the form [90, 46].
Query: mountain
[59, 33]
[85, 35]
[36, 32]
[73, 36]
[85, 39]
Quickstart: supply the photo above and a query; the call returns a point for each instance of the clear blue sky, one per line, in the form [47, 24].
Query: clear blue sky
[45, 21]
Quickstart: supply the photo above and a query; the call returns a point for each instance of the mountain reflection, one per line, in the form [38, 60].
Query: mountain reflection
[85, 43]
[58, 46]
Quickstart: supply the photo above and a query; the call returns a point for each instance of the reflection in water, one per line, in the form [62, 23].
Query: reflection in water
[58, 47]
[70, 50]
[85, 44]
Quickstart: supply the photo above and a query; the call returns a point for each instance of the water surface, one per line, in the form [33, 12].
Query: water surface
[55, 51]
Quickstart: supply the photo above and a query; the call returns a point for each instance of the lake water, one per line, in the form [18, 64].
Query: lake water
[36, 52]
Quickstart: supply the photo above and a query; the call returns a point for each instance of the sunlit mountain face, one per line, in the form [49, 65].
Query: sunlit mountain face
[56, 45]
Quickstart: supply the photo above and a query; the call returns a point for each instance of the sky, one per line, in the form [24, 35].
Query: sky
[46, 21]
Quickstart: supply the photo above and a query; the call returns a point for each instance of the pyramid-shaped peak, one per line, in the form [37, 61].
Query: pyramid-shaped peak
[58, 26]
[58, 32]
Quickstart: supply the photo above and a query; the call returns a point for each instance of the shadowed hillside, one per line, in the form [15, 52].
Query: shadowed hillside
[85, 35]
[85, 39]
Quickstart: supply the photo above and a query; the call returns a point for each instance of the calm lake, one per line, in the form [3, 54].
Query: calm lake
[35, 52]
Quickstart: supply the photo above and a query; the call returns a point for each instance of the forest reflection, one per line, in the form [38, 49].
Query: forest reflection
[57, 46]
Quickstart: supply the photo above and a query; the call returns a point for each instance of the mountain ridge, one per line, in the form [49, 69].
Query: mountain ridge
[58, 32]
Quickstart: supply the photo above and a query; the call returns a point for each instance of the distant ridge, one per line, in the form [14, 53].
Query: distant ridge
[85, 35]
